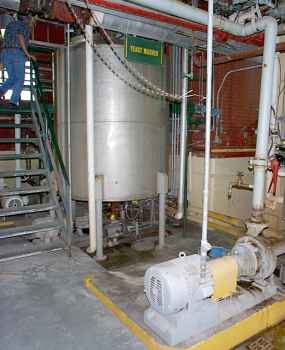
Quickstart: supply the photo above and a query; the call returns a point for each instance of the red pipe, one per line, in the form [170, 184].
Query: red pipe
[275, 165]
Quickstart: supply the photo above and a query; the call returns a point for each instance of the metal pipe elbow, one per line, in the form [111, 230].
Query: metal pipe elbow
[266, 23]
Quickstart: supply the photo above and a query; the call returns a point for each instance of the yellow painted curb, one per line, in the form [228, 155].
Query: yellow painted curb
[268, 316]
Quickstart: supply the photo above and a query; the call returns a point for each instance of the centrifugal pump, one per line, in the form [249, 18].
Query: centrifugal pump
[183, 305]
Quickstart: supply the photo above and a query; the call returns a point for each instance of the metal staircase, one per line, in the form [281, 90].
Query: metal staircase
[35, 192]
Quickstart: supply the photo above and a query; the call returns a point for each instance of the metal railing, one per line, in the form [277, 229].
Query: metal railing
[52, 150]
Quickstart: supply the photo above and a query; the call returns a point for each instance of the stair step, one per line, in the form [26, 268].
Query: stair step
[16, 126]
[23, 191]
[27, 230]
[6, 109]
[20, 173]
[24, 140]
[20, 156]
[29, 209]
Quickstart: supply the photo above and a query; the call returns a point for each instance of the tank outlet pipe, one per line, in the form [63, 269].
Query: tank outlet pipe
[90, 132]
[162, 189]
[270, 28]
[99, 182]
[183, 136]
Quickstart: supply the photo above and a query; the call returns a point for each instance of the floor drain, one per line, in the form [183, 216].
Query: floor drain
[260, 344]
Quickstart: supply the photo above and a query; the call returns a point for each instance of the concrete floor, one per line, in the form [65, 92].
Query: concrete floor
[44, 305]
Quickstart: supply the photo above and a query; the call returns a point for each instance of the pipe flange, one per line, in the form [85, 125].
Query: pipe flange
[259, 162]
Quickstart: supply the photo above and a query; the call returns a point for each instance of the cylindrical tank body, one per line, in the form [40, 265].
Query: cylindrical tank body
[130, 129]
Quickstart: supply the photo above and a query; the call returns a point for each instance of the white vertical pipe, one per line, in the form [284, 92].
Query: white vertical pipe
[69, 194]
[162, 186]
[90, 132]
[99, 180]
[183, 136]
[260, 162]
[18, 148]
[204, 240]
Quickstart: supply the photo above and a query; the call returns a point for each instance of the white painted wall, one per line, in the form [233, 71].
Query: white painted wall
[223, 171]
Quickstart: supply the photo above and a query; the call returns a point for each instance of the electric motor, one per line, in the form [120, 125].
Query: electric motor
[172, 285]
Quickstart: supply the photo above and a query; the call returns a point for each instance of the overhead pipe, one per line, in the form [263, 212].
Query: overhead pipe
[280, 47]
[108, 6]
[183, 136]
[269, 26]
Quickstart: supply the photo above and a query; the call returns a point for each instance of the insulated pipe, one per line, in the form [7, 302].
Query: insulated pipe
[183, 136]
[90, 132]
[205, 246]
[260, 162]
[269, 26]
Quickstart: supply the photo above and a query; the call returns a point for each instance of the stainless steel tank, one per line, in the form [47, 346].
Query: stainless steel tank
[130, 130]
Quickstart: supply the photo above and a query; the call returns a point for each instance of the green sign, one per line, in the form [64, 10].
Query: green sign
[143, 50]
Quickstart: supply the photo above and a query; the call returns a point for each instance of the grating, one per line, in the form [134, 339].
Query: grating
[156, 291]
[260, 344]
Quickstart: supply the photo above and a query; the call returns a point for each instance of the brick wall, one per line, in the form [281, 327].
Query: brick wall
[238, 106]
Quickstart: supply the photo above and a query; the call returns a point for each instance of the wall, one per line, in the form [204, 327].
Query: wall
[232, 144]
[238, 105]
[223, 172]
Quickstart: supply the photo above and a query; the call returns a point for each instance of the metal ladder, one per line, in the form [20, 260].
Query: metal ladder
[48, 178]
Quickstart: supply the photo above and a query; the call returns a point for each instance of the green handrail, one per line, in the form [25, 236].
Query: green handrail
[47, 115]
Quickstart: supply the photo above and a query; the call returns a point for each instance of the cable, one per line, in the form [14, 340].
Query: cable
[152, 92]
[136, 74]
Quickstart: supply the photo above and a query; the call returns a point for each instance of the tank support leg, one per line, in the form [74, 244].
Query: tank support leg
[99, 180]
[162, 189]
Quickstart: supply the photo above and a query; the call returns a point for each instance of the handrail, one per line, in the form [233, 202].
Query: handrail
[52, 149]
[46, 113]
